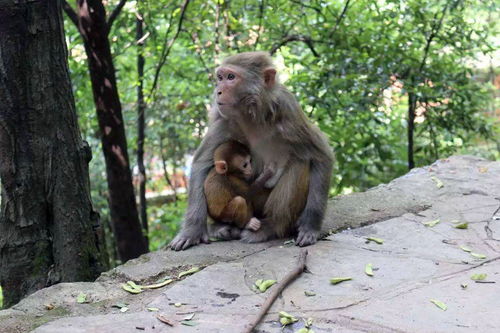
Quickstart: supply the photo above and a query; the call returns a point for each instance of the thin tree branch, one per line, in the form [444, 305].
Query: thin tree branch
[292, 275]
[261, 15]
[295, 38]
[166, 51]
[339, 19]
[114, 14]
[72, 15]
[433, 34]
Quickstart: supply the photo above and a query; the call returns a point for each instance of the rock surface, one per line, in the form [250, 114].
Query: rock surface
[415, 263]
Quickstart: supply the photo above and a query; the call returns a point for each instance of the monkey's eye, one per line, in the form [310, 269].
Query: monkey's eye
[230, 76]
[219, 77]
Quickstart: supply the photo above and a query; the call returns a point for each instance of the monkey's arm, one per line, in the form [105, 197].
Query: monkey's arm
[309, 223]
[259, 183]
[194, 229]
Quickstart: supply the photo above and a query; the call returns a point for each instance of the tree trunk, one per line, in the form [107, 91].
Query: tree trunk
[46, 219]
[412, 105]
[124, 216]
[141, 108]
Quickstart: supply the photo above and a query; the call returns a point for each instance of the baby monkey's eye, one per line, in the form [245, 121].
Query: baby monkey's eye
[230, 76]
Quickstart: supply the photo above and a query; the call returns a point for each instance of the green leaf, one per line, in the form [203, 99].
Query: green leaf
[309, 293]
[119, 305]
[478, 255]
[81, 298]
[132, 288]
[439, 304]
[338, 280]
[432, 223]
[376, 240]
[478, 277]
[189, 317]
[438, 182]
[466, 249]
[286, 318]
[266, 284]
[369, 269]
[124, 309]
[178, 305]
[153, 309]
[189, 272]
[156, 285]
[189, 323]
[463, 225]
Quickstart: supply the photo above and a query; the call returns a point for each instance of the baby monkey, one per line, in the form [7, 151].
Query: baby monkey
[227, 187]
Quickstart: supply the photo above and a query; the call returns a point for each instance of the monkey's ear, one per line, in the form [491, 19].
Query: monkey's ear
[220, 167]
[269, 77]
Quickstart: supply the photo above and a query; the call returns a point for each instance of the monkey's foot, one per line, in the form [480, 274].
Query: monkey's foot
[187, 238]
[306, 238]
[225, 232]
[262, 235]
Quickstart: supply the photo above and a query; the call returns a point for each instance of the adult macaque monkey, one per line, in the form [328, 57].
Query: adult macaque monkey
[252, 107]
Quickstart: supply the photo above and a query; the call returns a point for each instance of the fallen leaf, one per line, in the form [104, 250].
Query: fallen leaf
[289, 242]
[478, 255]
[119, 305]
[286, 318]
[164, 320]
[478, 277]
[463, 225]
[309, 293]
[81, 298]
[339, 280]
[483, 169]
[376, 240]
[49, 306]
[308, 323]
[124, 309]
[463, 285]
[156, 285]
[189, 323]
[266, 284]
[369, 269]
[432, 223]
[133, 285]
[439, 304]
[153, 309]
[178, 305]
[131, 290]
[189, 272]
[259, 282]
[189, 317]
[466, 249]
[438, 182]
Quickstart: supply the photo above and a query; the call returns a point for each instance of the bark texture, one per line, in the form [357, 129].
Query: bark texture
[91, 18]
[47, 223]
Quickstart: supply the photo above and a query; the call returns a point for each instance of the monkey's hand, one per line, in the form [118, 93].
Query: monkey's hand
[274, 179]
[253, 224]
[258, 184]
[307, 237]
[188, 237]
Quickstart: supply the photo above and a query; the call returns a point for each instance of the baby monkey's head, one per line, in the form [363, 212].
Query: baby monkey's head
[233, 158]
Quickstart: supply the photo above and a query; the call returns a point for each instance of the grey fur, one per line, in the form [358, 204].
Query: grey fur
[276, 115]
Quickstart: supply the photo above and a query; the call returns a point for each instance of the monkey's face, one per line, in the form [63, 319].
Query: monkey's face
[243, 166]
[228, 88]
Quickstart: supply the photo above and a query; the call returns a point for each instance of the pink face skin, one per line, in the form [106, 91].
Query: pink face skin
[228, 80]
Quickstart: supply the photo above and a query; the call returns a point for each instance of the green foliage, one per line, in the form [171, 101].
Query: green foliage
[1, 298]
[351, 64]
[164, 222]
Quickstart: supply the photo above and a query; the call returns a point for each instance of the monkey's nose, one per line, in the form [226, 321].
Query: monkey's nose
[219, 93]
